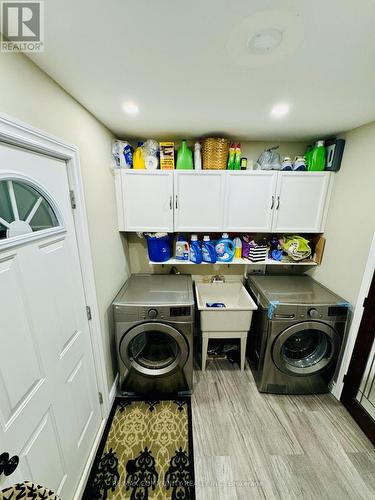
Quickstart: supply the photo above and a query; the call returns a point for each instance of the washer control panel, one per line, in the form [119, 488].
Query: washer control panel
[165, 312]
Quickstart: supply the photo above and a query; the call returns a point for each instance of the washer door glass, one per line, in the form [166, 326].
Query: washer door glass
[154, 349]
[306, 348]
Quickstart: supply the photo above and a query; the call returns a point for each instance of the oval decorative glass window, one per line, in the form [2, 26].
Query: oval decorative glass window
[23, 209]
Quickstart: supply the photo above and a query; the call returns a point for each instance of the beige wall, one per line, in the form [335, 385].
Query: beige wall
[351, 216]
[28, 94]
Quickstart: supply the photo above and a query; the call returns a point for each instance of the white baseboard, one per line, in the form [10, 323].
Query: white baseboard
[112, 392]
[86, 471]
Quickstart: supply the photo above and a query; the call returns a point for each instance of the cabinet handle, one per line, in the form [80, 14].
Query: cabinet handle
[278, 203]
[176, 202]
[273, 202]
[170, 202]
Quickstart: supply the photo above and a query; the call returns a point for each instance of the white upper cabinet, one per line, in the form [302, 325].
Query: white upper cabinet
[199, 200]
[301, 202]
[146, 200]
[249, 201]
[215, 201]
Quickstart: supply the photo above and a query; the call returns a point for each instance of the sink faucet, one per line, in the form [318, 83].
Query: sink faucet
[218, 278]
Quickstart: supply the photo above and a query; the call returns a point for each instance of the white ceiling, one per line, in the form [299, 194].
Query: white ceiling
[187, 67]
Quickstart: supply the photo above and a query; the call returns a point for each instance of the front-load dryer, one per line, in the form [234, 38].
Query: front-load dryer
[297, 334]
[154, 322]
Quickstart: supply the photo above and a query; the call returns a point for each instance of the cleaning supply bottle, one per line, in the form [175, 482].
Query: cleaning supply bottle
[182, 248]
[224, 248]
[237, 157]
[195, 250]
[208, 250]
[197, 156]
[318, 157]
[232, 152]
[138, 161]
[184, 157]
[238, 247]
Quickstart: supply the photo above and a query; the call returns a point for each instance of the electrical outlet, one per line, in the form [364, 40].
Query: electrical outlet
[254, 269]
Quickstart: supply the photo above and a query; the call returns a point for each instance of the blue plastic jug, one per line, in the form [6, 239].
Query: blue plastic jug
[225, 249]
[208, 250]
[195, 250]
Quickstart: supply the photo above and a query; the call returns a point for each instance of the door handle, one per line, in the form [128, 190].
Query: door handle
[8, 465]
[278, 203]
[176, 202]
[170, 202]
[273, 202]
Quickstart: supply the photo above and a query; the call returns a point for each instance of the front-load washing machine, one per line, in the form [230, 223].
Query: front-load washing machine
[154, 323]
[296, 334]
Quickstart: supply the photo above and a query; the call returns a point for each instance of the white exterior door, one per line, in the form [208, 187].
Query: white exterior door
[301, 201]
[49, 408]
[147, 198]
[199, 201]
[249, 201]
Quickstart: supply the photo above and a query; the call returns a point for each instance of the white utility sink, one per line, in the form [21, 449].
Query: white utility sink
[231, 321]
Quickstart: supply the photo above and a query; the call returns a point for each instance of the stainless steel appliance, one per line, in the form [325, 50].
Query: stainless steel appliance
[296, 334]
[154, 319]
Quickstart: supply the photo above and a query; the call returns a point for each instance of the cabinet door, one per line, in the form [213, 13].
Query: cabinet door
[147, 200]
[249, 201]
[301, 201]
[199, 201]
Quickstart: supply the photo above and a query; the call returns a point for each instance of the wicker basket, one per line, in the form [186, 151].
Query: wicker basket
[215, 153]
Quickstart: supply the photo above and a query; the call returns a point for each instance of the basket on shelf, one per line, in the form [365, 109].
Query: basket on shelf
[215, 153]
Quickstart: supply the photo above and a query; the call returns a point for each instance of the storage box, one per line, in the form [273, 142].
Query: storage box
[167, 155]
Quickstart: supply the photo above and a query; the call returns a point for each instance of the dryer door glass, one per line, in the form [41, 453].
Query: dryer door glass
[154, 349]
[306, 348]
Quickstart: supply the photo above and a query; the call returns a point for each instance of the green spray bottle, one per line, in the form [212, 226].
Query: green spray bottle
[232, 152]
[184, 157]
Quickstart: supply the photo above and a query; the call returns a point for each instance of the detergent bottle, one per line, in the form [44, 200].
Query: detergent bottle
[138, 161]
[195, 250]
[184, 157]
[208, 250]
[237, 157]
[318, 157]
[224, 248]
[182, 248]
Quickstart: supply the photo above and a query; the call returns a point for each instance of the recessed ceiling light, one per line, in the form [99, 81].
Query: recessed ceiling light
[265, 41]
[131, 108]
[280, 110]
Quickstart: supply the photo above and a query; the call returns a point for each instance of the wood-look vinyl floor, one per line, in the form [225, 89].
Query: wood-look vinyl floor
[249, 445]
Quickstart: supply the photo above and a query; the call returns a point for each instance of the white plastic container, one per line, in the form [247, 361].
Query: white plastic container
[231, 322]
[237, 313]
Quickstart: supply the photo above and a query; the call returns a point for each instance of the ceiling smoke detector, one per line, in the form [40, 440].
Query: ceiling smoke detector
[265, 41]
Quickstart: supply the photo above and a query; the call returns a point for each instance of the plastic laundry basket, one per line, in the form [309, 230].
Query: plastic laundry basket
[159, 249]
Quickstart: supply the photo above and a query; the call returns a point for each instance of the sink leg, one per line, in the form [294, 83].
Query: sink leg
[243, 352]
[204, 351]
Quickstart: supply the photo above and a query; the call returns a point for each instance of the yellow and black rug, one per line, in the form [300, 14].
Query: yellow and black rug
[146, 453]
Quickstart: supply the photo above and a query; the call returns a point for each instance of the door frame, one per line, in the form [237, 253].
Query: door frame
[17, 133]
[356, 321]
[362, 352]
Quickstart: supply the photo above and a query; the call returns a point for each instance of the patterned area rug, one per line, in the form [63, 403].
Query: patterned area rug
[146, 453]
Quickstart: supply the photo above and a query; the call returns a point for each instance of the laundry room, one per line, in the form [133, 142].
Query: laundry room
[187, 250]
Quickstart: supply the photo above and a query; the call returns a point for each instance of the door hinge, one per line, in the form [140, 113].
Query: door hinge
[73, 202]
[344, 378]
[100, 398]
[88, 312]
[365, 302]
